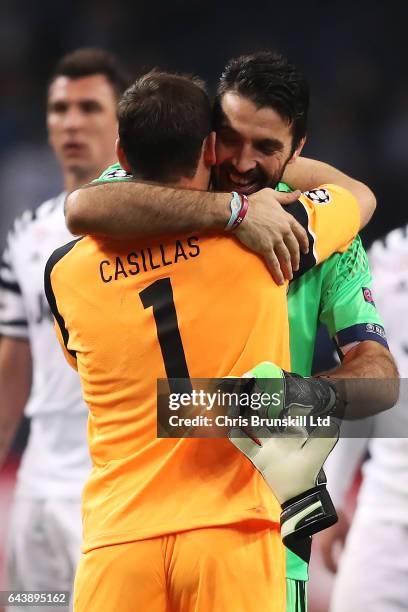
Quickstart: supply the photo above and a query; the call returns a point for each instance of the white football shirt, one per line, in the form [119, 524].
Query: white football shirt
[56, 461]
[384, 492]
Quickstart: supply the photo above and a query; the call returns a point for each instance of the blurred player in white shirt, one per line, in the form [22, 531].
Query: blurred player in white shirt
[373, 568]
[45, 533]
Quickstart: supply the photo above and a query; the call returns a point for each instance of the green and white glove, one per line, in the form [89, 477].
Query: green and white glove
[291, 395]
[291, 462]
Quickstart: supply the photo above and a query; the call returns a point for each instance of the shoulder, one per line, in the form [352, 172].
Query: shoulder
[49, 207]
[24, 223]
[56, 257]
[344, 271]
[59, 254]
[355, 257]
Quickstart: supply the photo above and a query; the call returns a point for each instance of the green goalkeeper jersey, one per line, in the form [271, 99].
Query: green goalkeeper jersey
[336, 294]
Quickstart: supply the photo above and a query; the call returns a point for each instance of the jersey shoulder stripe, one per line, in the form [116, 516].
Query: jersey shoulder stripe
[13, 320]
[17, 236]
[8, 279]
[308, 260]
[48, 207]
[21, 223]
[30, 216]
[15, 323]
[330, 216]
[10, 286]
[5, 265]
[57, 255]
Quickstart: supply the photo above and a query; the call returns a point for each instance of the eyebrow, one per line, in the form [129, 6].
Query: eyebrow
[273, 143]
[89, 101]
[81, 101]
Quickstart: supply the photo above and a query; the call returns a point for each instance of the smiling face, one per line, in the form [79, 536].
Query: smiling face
[253, 146]
[82, 125]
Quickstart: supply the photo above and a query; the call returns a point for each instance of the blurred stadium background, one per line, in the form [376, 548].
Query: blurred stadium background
[354, 54]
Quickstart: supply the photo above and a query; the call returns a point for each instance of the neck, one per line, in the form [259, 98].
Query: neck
[75, 179]
[199, 181]
[193, 183]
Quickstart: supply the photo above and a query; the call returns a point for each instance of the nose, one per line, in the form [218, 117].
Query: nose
[243, 160]
[73, 119]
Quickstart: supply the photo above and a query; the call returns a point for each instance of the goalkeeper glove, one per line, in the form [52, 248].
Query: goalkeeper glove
[292, 466]
[298, 396]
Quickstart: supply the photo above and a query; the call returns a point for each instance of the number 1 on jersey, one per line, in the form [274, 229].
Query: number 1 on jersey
[159, 295]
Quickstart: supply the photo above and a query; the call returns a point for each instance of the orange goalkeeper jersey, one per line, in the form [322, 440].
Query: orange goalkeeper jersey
[128, 313]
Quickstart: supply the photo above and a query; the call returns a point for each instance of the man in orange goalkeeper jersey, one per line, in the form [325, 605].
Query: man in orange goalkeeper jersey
[174, 524]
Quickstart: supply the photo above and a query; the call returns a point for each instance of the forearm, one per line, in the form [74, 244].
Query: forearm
[367, 380]
[145, 210]
[305, 174]
[15, 385]
[8, 429]
[367, 360]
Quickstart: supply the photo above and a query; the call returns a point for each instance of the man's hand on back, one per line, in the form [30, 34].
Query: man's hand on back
[273, 233]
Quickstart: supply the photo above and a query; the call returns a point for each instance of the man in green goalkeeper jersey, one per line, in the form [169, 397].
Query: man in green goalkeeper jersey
[335, 293]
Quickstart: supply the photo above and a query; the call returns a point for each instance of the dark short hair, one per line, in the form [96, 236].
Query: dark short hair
[90, 61]
[267, 79]
[163, 121]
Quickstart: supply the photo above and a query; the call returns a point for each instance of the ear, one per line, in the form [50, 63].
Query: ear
[209, 150]
[122, 157]
[298, 150]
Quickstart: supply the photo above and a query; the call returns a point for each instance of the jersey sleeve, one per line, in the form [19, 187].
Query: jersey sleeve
[113, 174]
[347, 306]
[60, 327]
[331, 217]
[13, 315]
